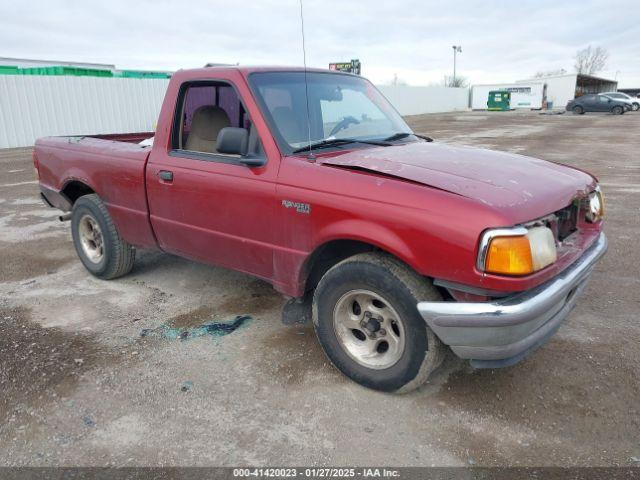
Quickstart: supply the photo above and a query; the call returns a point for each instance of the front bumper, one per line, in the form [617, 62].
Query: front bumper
[503, 332]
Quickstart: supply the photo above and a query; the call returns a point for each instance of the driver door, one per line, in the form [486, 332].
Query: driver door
[206, 205]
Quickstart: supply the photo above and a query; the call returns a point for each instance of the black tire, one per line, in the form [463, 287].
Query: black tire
[617, 110]
[636, 106]
[117, 255]
[402, 288]
[578, 110]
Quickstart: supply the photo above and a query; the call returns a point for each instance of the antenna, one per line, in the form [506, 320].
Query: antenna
[311, 156]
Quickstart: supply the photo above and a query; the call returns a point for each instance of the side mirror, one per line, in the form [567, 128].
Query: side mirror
[232, 141]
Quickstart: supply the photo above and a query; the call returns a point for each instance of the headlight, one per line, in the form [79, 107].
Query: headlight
[516, 251]
[595, 207]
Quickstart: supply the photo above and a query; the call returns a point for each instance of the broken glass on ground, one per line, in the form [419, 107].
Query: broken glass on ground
[215, 329]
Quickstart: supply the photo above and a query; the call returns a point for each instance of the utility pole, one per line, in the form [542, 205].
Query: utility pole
[456, 49]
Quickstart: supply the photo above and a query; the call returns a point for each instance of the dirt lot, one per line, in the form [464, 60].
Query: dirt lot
[80, 385]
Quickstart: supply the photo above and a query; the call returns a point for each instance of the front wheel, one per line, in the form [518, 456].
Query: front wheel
[635, 107]
[618, 110]
[101, 249]
[366, 318]
[578, 110]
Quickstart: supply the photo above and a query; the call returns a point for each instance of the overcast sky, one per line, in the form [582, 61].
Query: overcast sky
[501, 41]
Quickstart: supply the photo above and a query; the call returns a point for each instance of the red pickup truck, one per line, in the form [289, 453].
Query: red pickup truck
[397, 247]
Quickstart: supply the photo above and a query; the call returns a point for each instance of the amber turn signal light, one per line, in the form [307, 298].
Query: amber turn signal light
[509, 256]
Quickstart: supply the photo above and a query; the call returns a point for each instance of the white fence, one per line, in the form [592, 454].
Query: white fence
[33, 106]
[410, 100]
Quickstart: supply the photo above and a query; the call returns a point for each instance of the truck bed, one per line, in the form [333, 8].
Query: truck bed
[124, 137]
[113, 166]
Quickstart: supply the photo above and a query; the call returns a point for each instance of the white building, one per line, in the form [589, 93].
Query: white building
[562, 88]
[523, 95]
[36, 104]
[554, 91]
[106, 100]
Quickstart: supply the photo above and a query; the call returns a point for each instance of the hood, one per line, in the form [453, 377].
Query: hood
[497, 179]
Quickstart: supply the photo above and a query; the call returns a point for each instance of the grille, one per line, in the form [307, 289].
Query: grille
[566, 221]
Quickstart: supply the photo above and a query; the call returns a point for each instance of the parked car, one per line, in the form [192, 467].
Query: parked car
[634, 101]
[597, 103]
[394, 246]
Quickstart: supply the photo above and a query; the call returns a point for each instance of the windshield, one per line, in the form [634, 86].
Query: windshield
[340, 107]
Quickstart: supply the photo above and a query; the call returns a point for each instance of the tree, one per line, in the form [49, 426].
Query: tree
[591, 60]
[458, 82]
[397, 81]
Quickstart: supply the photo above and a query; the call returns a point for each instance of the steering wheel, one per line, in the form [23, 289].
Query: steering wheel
[342, 124]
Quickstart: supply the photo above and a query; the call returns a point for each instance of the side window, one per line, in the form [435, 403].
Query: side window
[603, 99]
[206, 108]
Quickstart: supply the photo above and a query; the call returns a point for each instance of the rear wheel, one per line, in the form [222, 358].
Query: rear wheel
[578, 110]
[101, 249]
[366, 319]
[635, 107]
[617, 110]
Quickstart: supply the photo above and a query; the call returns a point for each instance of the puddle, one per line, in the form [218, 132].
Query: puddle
[213, 329]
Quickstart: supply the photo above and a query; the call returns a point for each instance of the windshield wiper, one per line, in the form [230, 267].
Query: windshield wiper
[401, 135]
[330, 142]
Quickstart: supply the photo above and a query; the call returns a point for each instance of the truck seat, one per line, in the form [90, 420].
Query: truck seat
[207, 121]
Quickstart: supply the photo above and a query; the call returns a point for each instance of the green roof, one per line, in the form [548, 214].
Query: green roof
[8, 70]
[79, 72]
[140, 74]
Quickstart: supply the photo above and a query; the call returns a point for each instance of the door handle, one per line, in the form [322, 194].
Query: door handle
[165, 175]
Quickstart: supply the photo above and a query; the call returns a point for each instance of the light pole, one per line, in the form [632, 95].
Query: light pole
[456, 49]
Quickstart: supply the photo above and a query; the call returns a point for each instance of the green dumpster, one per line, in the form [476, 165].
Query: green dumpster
[499, 100]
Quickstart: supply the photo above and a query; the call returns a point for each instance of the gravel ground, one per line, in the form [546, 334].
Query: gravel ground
[80, 385]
